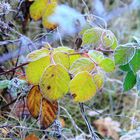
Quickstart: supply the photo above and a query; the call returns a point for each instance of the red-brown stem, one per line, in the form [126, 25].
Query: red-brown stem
[13, 69]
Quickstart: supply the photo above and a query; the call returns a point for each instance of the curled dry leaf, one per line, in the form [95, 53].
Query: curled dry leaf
[41, 107]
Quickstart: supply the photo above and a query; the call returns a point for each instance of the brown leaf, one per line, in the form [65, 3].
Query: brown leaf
[49, 112]
[20, 109]
[39, 105]
[34, 101]
[31, 137]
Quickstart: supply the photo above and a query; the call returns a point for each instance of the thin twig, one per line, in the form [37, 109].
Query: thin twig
[73, 122]
[13, 69]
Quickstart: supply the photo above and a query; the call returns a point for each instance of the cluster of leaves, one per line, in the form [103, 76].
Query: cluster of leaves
[128, 58]
[42, 9]
[55, 72]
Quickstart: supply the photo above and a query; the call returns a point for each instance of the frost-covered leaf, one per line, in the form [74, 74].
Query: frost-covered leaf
[35, 69]
[99, 80]
[74, 57]
[107, 64]
[109, 39]
[129, 81]
[54, 83]
[124, 54]
[64, 49]
[62, 58]
[96, 56]
[37, 54]
[82, 64]
[82, 87]
[138, 82]
[92, 36]
[135, 62]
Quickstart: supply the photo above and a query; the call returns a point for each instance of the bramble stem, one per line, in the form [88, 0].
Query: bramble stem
[94, 137]
[13, 69]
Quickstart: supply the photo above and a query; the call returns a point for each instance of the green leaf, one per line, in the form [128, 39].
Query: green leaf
[124, 54]
[62, 58]
[107, 65]
[109, 39]
[4, 84]
[82, 64]
[129, 81]
[92, 36]
[96, 56]
[135, 62]
[125, 67]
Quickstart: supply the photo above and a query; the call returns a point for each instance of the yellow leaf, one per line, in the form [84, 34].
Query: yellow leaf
[48, 12]
[82, 87]
[37, 9]
[35, 69]
[64, 49]
[37, 54]
[74, 57]
[62, 58]
[82, 64]
[54, 83]
[99, 80]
